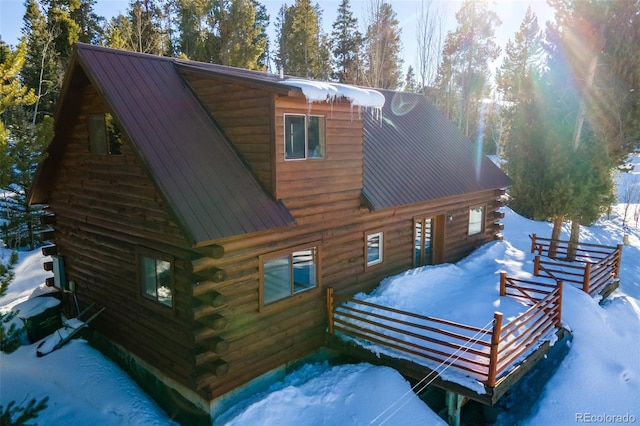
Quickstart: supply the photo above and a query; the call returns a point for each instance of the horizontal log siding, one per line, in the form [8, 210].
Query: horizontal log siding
[262, 340]
[244, 114]
[105, 207]
[327, 189]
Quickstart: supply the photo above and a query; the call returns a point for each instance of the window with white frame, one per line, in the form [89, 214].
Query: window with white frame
[156, 279]
[374, 248]
[476, 220]
[303, 136]
[289, 273]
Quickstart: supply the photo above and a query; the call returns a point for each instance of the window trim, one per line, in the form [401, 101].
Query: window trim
[380, 258]
[321, 136]
[155, 255]
[294, 295]
[483, 209]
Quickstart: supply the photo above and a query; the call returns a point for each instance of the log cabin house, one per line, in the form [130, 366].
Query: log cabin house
[208, 208]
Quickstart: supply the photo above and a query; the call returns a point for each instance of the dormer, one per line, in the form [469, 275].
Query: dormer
[302, 139]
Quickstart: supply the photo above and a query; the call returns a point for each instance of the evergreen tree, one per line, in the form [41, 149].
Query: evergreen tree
[599, 38]
[9, 331]
[198, 28]
[13, 415]
[51, 28]
[464, 73]
[524, 59]
[42, 71]
[382, 62]
[140, 30]
[346, 42]
[242, 42]
[303, 49]
[261, 22]
[410, 84]
[524, 55]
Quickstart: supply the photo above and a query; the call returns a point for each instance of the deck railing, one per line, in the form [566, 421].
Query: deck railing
[591, 268]
[484, 353]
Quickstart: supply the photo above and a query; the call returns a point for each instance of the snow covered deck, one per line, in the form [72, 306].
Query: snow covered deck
[477, 339]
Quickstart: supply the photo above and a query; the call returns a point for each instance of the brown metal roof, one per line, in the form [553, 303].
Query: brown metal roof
[414, 154]
[209, 188]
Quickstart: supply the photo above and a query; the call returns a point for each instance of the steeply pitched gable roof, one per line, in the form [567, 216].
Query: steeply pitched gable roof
[198, 172]
[414, 154]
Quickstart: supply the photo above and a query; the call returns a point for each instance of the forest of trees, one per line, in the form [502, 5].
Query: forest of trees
[562, 108]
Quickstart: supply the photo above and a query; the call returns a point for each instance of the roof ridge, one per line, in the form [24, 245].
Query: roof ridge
[86, 46]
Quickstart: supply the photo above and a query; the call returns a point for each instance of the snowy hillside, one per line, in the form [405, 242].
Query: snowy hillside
[600, 376]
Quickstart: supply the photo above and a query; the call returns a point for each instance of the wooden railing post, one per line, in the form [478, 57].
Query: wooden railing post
[503, 283]
[536, 266]
[330, 308]
[616, 272]
[587, 278]
[559, 305]
[493, 354]
[533, 242]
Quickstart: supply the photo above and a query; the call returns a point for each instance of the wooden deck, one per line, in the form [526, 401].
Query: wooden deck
[420, 347]
[591, 267]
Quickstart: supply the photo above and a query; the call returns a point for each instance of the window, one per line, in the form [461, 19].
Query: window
[476, 219]
[423, 242]
[156, 277]
[374, 249]
[288, 274]
[104, 135]
[303, 137]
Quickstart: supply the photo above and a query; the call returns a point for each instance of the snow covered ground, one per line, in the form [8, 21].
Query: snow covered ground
[598, 380]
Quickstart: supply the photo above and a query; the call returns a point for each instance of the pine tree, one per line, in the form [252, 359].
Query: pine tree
[524, 55]
[410, 84]
[12, 93]
[261, 22]
[382, 61]
[346, 42]
[464, 73]
[140, 30]
[41, 72]
[242, 42]
[303, 49]
[524, 59]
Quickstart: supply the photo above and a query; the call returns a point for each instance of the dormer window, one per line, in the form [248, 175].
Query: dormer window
[303, 137]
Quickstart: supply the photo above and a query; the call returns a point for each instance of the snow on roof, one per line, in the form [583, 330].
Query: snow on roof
[320, 91]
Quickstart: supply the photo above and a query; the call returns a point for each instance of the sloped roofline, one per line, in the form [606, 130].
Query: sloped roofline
[197, 183]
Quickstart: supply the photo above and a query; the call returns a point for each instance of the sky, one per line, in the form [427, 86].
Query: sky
[511, 12]
[598, 381]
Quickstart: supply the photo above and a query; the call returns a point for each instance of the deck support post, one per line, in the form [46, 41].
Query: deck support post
[330, 309]
[454, 406]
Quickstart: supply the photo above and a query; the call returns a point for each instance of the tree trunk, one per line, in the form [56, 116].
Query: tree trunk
[555, 235]
[574, 239]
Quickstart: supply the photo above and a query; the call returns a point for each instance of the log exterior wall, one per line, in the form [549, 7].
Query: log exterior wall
[217, 336]
[106, 210]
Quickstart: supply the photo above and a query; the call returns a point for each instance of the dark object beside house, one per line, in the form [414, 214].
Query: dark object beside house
[41, 315]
